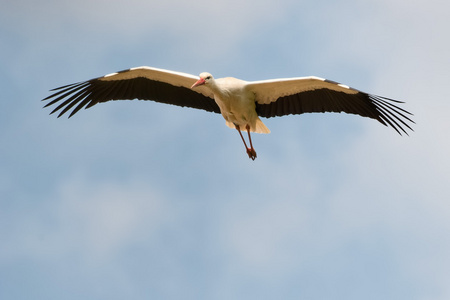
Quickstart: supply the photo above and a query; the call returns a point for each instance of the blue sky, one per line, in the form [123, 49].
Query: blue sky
[139, 200]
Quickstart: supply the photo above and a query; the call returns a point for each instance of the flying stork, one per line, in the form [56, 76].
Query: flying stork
[240, 102]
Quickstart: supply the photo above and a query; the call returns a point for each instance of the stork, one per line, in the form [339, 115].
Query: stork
[240, 102]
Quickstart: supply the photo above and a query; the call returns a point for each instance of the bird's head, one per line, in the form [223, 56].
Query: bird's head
[205, 78]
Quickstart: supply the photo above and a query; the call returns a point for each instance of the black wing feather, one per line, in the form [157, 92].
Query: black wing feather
[327, 100]
[89, 93]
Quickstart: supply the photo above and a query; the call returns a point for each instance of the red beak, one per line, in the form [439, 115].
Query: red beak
[201, 81]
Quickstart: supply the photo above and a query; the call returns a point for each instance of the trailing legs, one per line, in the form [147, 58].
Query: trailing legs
[250, 151]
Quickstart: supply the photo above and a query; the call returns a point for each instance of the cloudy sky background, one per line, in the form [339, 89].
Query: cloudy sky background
[139, 200]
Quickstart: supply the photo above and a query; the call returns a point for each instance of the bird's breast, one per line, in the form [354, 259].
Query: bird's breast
[237, 107]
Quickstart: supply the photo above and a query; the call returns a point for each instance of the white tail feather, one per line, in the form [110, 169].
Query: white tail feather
[260, 127]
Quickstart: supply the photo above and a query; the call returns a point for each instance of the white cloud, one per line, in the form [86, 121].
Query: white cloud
[91, 220]
[103, 217]
[263, 236]
[204, 30]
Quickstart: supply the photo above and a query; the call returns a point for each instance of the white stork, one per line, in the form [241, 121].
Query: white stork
[240, 102]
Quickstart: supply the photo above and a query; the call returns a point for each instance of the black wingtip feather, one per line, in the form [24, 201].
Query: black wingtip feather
[392, 114]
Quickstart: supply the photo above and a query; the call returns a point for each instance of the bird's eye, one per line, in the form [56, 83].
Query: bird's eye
[208, 77]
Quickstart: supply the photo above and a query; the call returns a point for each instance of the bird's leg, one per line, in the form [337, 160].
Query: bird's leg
[250, 151]
[239, 130]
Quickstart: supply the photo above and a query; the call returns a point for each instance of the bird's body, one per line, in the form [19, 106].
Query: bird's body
[237, 103]
[240, 102]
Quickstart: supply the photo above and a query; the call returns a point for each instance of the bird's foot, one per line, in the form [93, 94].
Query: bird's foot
[251, 153]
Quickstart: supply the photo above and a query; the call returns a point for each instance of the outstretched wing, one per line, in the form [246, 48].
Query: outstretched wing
[143, 83]
[281, 97]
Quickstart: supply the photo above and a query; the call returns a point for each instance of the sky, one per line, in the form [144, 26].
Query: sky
[141, 200]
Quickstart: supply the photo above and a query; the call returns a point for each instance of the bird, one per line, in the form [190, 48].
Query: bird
[240, 102]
